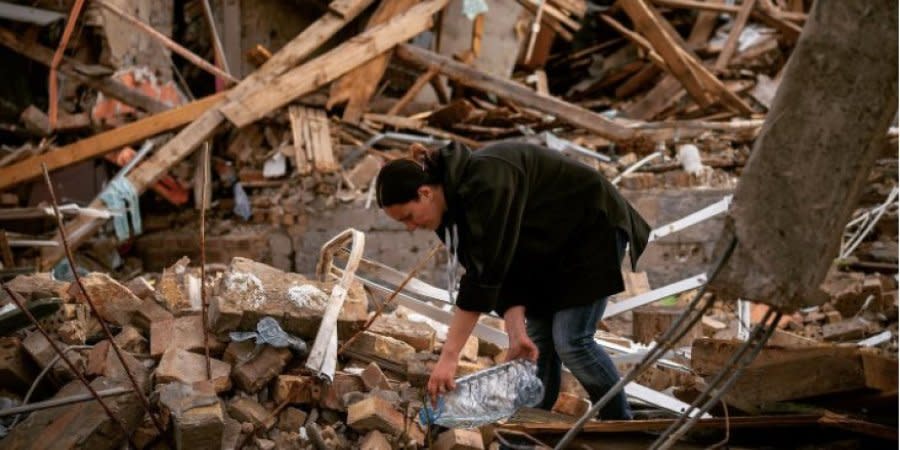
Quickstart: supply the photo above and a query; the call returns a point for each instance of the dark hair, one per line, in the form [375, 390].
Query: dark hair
[399, 180]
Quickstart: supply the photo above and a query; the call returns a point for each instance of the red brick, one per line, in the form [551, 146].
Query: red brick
[375, 413]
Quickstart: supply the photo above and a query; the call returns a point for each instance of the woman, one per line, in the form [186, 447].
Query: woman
[541, 237]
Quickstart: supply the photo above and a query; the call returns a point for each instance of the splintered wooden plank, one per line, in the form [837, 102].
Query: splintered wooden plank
[347, 9]
[737, 27]
[410, 94]
[328, 67]
[648, 25]
[358, 86]
[301, 159]
[319, 142]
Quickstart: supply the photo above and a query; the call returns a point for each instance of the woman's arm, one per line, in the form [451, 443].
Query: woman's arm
[461, 325]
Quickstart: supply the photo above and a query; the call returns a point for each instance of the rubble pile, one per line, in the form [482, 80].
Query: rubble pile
[294, 118]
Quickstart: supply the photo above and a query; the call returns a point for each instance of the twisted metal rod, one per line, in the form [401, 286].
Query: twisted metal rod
[676, 331]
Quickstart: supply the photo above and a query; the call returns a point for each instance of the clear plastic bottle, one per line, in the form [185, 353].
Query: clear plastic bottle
[487, 396]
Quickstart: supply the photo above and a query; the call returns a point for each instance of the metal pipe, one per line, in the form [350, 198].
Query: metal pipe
[52, 403]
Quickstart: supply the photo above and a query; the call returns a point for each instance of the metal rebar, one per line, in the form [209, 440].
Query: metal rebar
[203, 303]
[667, 440]
[21, 304]
[676, 331]
[52, 403]
[71, 258]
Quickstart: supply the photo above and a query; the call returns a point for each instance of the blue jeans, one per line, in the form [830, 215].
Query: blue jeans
[567, 337]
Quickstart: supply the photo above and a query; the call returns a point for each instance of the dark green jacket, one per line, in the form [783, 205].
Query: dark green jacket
[535, 227]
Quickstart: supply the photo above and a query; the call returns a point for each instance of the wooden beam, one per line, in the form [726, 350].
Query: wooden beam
[720, 7]
[737, 27]
[647, 24]
[510, 90]
[107, 141]
[356, 87]
[326, 68]
[202, 128]
[78, 71]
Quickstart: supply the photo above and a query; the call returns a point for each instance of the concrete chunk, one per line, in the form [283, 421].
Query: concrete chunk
[382, 347]
[250, 291]
[417, 334]
[459, 439]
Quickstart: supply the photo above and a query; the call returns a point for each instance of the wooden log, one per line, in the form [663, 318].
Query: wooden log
[78, 71]
[357, 86]
[107, 141]
[843, 72]
[325, 68]
[202, 128]
[509, 90]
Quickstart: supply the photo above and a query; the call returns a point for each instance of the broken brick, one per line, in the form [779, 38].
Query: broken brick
[252, 375]
[374, 413]
[291, 419]
[293, 389]
[373, 377]
[571, 405]
[186, 367]
[333, 394]
[459, 439]
[417, 334]
[247, 409]
[382, 348]
[131, 340]
[114, 302]
[185, 332]
[374, 440]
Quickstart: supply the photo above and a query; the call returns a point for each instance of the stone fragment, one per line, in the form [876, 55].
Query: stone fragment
[114, 302]
[373, 377]
[186, 367]
[417, 334]
[291, 419]
[250, 291]
[293, 389]
[374, 440]
[252, 375]
[247, 409]
[374, 413]
[238, 352]
[459, 439]
[103, 361]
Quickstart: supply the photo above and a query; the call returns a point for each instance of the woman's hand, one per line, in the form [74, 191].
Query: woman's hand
[520, 345]
[442, 378]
